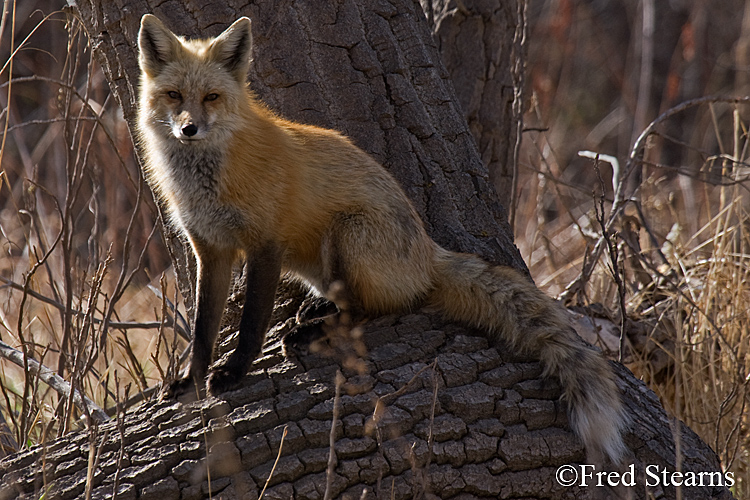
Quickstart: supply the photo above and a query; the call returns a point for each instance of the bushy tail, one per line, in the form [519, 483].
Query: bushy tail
[506, 304]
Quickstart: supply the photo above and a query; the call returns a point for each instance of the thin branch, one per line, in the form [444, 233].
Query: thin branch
[86, 102]
[635, 157]
[332, 436]
[614, 260]
[53, 380]
[275, 463]
[122, 325]
[640, 143]
[132, 401]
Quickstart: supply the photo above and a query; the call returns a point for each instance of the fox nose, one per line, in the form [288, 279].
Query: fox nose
[190, 130]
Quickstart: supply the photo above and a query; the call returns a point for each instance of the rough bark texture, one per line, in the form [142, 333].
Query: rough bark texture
[483, 47]
[498, 429]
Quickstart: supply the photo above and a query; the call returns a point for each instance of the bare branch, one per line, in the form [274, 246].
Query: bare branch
[53, 380]
[121, 325]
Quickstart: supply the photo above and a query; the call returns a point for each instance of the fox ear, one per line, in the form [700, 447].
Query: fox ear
[156, 45]
[232, 48]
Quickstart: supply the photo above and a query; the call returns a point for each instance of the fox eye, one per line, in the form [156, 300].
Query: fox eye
[174, 94]
[211, 97]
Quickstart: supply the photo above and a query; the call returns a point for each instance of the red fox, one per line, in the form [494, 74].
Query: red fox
[237, 179]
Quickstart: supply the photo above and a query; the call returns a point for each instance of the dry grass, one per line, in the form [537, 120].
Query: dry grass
[688, 292]
[78, 237]
[677, 218]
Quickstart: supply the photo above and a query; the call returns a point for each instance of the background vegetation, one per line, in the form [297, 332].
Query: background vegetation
[85, 283]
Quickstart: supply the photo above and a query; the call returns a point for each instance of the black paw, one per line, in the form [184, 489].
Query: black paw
[314, 308]
[298, 341]
[223, 379]
[184, 390]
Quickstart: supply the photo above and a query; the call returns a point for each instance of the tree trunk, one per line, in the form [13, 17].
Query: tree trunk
[372, 73]
[431, 412]
[483, 46]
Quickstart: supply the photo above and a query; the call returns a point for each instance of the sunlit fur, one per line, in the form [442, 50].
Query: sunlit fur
[248, 177]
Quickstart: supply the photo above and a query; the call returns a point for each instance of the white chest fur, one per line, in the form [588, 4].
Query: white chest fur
[194, 186]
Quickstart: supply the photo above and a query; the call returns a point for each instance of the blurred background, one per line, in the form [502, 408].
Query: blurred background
[598, 73]
[77, 222]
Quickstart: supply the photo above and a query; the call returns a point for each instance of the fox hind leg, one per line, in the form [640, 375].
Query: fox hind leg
[315, 308]
[319, 316]
[372, 263]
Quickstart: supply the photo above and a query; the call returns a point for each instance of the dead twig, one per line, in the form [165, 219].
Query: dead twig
[620, 200]
[117, 325]
[53, 380]
[332, 461]
[380, 405]
[614, 259]
[275, 463]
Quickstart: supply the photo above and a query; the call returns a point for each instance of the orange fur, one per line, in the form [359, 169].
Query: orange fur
[237, 178]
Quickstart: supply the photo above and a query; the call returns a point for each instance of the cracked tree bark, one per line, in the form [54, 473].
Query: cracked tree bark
[498, 431]
[483, 46]
[371, 70]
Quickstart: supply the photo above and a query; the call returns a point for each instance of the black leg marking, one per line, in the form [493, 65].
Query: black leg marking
[314, 308]
[185, 390]
[214, 276]
[298, 341]
[264, 269]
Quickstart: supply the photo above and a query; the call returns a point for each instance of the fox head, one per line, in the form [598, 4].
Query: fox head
[191, 89]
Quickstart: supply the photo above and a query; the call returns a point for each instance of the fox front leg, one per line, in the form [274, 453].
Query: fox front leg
[214, 277]
[263, 271]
